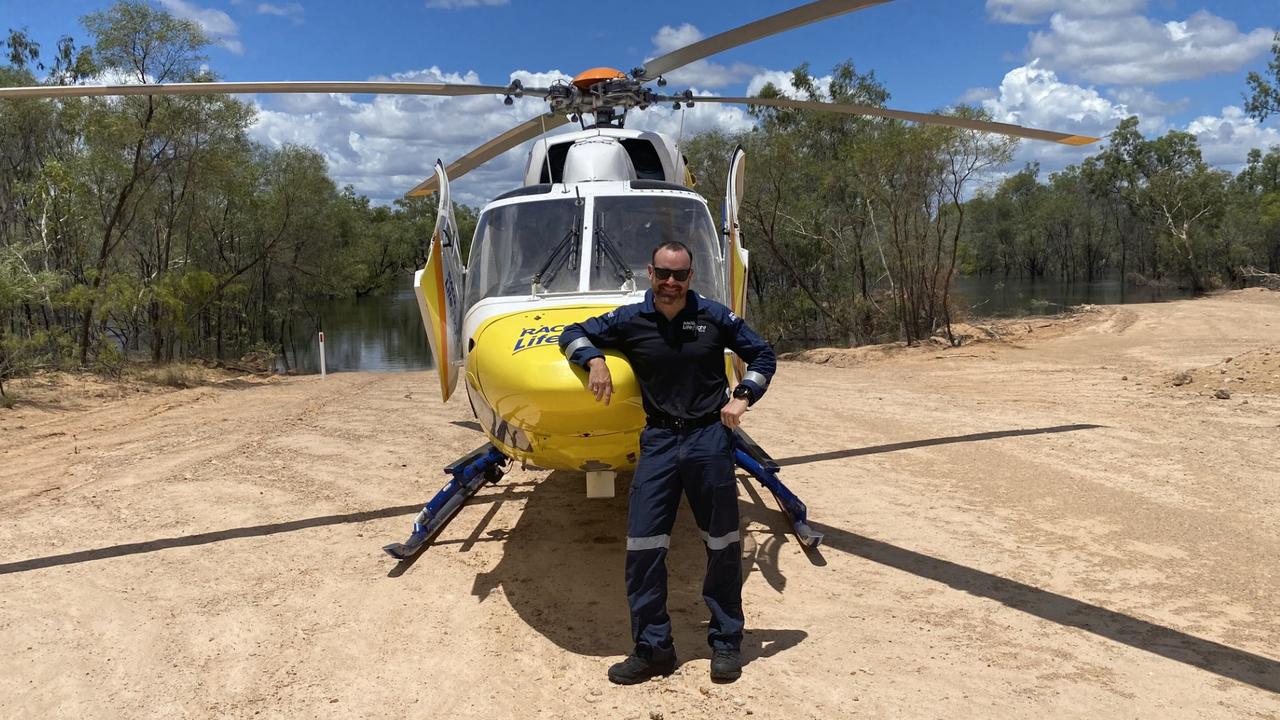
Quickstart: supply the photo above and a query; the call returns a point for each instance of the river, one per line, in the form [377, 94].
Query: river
[384, 332]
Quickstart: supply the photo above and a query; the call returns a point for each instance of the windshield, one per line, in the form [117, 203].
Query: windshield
[514, 242]
[633, 225]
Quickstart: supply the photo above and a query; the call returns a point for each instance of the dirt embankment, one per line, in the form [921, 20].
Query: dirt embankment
[1047, 523]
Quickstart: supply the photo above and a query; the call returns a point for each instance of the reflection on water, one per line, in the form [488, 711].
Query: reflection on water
[1014, 297]
[384, 333]
[381, 332]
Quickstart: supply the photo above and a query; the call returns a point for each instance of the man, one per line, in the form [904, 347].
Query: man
[675, 341]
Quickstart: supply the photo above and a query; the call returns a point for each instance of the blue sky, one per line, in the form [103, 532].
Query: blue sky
[1070, 65]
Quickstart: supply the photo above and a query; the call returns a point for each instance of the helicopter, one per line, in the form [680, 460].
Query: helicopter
[569, 243]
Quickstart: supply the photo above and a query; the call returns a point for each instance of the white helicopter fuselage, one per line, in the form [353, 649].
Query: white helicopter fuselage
[553, 253]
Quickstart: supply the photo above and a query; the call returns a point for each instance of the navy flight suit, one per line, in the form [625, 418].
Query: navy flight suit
[680, 364]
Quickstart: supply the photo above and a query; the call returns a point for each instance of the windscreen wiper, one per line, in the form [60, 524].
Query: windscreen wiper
[566, 248]
[605, 247]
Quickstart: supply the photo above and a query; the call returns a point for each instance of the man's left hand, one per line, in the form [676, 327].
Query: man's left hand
[731, 413]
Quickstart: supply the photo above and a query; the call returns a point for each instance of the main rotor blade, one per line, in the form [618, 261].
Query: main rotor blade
[772, 25]
[925, 118]
[526, 130]
[212, 88]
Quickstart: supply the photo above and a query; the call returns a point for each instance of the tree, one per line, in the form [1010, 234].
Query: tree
[1265, 97]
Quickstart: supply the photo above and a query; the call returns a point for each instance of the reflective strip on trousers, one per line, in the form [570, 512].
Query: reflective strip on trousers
[722, 542]
[653, 542]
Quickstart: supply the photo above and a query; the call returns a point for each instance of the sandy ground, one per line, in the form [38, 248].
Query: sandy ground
[1038, 526]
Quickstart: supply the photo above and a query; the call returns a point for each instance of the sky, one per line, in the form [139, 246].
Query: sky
[1077, 66]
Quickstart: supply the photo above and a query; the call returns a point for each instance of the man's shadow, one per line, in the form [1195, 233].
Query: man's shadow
[562, 572]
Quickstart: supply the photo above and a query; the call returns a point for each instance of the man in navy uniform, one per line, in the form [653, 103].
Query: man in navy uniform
[675, 341]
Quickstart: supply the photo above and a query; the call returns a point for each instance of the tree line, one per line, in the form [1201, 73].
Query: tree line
[154, 227]
[859, 226]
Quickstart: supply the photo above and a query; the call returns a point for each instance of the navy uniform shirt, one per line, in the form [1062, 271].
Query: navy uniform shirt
[679, 362]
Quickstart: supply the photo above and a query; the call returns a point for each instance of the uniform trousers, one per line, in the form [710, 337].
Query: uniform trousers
[699, 463]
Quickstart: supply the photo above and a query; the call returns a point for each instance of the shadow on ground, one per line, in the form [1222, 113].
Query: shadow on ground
[561, 570]
[562, 566]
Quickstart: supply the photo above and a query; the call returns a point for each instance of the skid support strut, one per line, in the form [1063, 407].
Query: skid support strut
[469, 473]
[751, 457]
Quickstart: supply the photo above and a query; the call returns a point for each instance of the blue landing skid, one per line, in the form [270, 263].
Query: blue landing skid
[751, 457]
[469, 473]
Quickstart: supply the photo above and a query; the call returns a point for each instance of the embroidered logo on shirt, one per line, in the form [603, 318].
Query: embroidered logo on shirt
[691, 325]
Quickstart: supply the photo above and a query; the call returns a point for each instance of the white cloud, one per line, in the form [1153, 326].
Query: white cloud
[383, 145]
[781, 79]
[1028, 12]
[1226, 139]
[456, 4]
[216, 24]
[293, 11]
[1136, 50]
[1033, 96]
[1147, 104]
[702, 73]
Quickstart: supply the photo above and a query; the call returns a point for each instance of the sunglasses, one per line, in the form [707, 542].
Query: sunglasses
[662, 273]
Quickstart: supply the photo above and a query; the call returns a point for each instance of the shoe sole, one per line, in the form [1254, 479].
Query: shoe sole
[723, 678]
[636, 681]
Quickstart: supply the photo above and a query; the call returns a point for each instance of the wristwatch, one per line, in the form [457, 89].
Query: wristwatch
[742, 392]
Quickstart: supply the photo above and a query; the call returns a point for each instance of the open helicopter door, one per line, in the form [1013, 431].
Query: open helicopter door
[439, 287]
[735, 256]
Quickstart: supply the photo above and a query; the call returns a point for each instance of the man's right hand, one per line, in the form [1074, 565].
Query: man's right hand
[600, 381]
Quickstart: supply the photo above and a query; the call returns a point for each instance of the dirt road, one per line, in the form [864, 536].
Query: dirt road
[1043, 526]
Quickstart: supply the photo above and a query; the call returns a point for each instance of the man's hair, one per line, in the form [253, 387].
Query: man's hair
[672, 245]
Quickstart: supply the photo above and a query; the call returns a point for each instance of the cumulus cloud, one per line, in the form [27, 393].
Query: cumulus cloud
[1034, 96]
[216, 24]
[781, 79]
[1136, 50]
[703, 73]
[383, 145]
[1227, 138]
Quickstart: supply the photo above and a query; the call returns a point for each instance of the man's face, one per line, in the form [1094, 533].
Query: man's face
[668, 265]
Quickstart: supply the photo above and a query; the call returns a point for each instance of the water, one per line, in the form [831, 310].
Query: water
[1015, 297]
[376, 332]
[384, 333]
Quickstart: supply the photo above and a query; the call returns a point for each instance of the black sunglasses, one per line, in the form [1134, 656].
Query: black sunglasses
[662, 273]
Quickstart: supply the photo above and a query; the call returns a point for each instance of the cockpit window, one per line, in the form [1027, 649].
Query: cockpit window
[633, 225]
[513, 243]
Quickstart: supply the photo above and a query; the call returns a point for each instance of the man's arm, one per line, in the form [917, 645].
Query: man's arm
[581, 342]
[761, 364]
[758, 354]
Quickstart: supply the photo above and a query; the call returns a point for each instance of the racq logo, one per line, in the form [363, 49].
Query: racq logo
[531, 337]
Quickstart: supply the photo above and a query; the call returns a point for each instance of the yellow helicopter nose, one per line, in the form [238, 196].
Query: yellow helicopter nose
[530, 388]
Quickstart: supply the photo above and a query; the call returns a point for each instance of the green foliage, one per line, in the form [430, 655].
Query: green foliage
[1265, 97]
[153, 225]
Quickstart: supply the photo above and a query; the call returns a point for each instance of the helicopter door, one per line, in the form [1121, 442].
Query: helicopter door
[735, 255]
[439, 288]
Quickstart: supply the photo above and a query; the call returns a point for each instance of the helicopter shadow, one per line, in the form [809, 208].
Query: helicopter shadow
[562, 572]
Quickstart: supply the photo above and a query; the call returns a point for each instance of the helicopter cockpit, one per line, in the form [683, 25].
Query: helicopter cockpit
[562, 242]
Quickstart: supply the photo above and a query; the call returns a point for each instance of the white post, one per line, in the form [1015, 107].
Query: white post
[322, 356]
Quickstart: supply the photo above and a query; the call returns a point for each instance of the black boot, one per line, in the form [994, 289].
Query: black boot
[726, 666]
[637, 669]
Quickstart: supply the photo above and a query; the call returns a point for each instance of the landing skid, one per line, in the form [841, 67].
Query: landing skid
[751, 457]
[469, 472]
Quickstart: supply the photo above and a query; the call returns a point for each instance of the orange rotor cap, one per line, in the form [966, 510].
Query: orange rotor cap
[587, 78]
